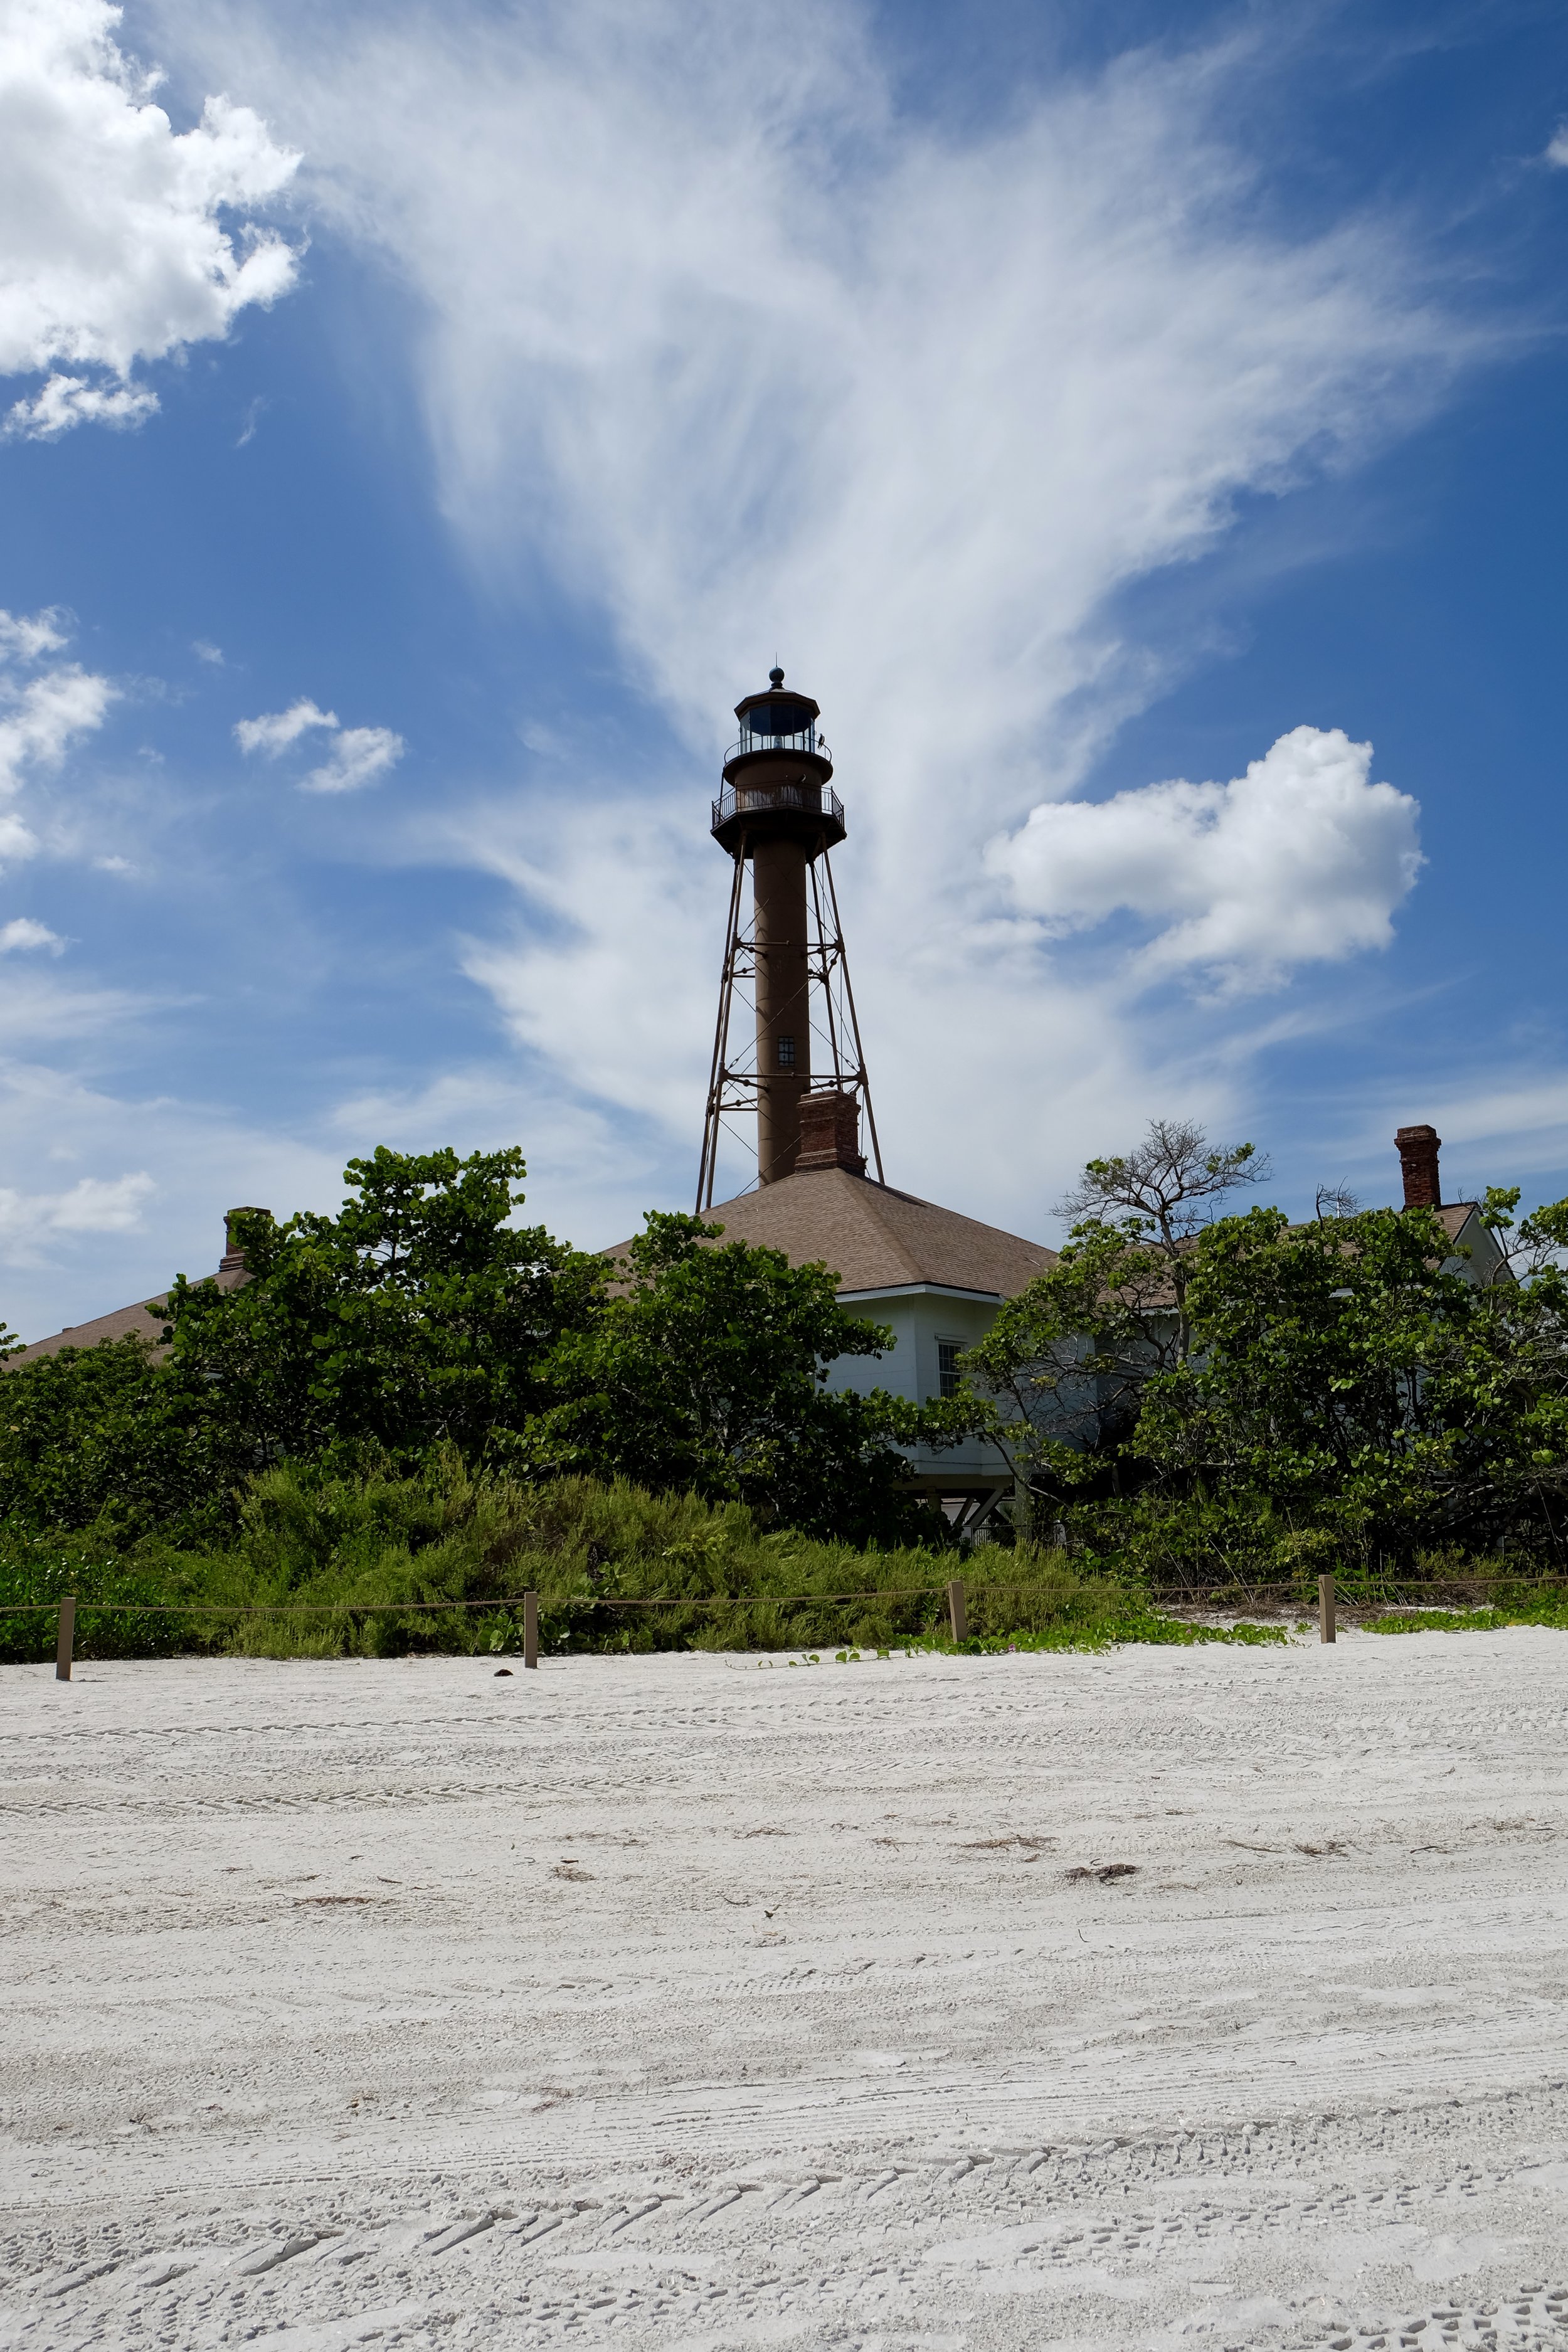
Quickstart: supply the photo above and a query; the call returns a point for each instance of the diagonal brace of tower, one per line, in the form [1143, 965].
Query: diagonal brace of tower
[786, 965]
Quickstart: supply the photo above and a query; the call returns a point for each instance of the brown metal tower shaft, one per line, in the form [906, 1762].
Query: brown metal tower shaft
[784, 1008]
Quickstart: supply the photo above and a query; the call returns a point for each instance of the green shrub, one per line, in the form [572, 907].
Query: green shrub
[357, 1563]
[1507, 1607]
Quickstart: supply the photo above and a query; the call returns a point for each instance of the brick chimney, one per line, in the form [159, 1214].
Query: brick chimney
[1418, 1150]
[232, 1262]
[830, 1134]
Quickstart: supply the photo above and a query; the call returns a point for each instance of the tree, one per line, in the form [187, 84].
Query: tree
[1163, 1193]
[707, 1370]
[1068, 1359]
[417, 1316]
[1344, 1375]
[1311, 1384]
[1534, 1252]
[1335, 1382]
[89, 1431]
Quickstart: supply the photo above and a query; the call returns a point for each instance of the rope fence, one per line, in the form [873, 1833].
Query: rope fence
[1263, 1596]
[515, 1601]
[1229, 1597]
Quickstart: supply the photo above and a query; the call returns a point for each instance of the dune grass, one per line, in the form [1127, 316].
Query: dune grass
[1544, 1607]
[325, 1566]
[358, 1562]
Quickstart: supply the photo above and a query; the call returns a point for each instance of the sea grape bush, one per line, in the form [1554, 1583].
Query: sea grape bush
[1349, 1392]
[1188, 1397]
[422, 1318]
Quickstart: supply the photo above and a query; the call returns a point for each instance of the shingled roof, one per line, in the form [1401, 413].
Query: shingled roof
[875, 1238]
[124, 1322]
[127, 1321]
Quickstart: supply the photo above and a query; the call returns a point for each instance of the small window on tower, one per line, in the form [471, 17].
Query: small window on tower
[948, 1379]
[787, 1053]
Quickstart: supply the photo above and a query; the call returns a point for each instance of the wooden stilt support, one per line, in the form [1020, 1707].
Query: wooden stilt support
[1325, 1609]
[530, 1629]
[65, 1638]
[955, 1610]
[1023, 1514]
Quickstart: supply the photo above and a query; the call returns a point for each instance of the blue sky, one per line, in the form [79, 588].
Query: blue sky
[1118, 416]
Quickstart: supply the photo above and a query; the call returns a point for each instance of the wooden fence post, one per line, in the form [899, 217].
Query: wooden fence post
[530, 1629]
[956, 1609]
[65, 1638]
[1325, 1609]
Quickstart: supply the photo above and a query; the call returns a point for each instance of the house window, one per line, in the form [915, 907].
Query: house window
[948, 1352]
[787, 1053]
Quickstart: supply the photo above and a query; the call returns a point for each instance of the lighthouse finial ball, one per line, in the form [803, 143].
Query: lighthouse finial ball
[775, 675]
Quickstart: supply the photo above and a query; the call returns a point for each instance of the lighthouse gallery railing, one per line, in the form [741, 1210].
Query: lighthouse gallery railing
[743, 799]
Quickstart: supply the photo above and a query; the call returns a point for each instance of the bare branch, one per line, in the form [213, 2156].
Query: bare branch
[1166, 1178]
[1166, 1187]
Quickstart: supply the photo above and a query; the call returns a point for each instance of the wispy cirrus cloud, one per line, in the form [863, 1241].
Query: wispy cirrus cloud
[780, 367]
[113, 243]
[784, 365]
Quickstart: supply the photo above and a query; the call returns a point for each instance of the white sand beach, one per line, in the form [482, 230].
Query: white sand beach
[702, 2002]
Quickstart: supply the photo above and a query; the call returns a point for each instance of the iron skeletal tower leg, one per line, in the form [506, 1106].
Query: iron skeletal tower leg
[777, 814]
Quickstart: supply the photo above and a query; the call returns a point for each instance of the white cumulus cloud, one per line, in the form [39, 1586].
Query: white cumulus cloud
[359, 756]
[24, 933]
[40, 720]
[275, 732]
[94, 1204]
[42, 715]
[112, 244]
[24, 639]
[1557, 150]
[1302, 860]
[102, 1205]
[68, 400]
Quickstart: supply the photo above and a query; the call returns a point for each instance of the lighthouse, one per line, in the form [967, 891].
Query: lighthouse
[787, 1055]
[786, 1010]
